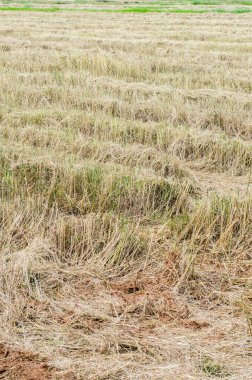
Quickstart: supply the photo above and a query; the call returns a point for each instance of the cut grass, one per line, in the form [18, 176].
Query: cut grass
[125, 193]
[29, 9]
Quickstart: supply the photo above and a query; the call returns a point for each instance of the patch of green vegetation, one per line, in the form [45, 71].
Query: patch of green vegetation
[6, 184]
[128, 10]
[241, 2]
[92, 180]
[178, 222]
[140, 10]
[158, 10]
[209, 367]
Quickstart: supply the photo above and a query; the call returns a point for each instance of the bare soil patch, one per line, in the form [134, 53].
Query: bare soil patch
[19, 365]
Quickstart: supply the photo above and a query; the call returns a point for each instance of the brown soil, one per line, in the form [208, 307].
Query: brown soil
[151, 296]
[18, 365]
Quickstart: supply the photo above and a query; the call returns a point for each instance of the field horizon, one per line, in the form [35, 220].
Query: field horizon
[130, 6]
[125, 190]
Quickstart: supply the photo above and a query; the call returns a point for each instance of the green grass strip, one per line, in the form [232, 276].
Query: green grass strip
[127, 10]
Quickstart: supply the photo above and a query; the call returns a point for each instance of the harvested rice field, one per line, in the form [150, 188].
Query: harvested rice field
[125, 193]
